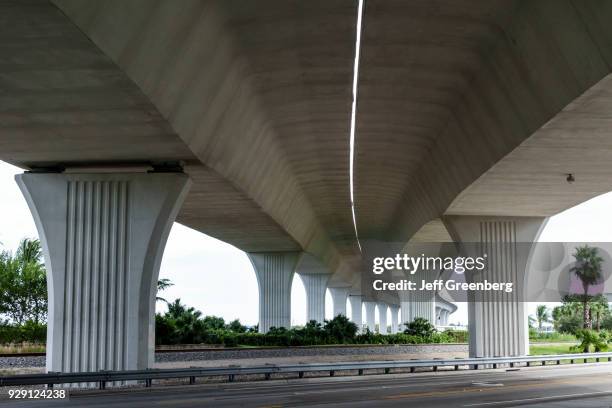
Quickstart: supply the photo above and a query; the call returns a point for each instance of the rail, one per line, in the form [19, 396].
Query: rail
[104, 377]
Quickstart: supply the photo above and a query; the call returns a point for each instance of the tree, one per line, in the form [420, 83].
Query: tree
[588, 270]
[341, 329]
[599, 310]
[186, 322]
[163, 284]
[236, 326]
[542, 316]
[590, 338]
[531, 321]
[23, 284]
[420, 327]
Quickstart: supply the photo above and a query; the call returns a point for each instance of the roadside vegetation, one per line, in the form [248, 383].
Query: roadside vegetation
[185, 325]
[582, 323]
[23, 296]
[584, 318]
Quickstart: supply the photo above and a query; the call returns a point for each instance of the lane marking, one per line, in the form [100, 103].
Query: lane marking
[551, 398]
[456, 391]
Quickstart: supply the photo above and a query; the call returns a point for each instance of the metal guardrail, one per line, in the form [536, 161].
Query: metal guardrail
[103, 377]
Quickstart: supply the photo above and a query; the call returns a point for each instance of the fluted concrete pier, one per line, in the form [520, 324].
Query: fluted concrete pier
[339, 298]
[316, 286]
[103, 237]
[275, 271]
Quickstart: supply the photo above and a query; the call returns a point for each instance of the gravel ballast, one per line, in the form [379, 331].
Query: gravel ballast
[336, 353]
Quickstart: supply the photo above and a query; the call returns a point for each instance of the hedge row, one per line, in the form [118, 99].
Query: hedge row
[29, 332]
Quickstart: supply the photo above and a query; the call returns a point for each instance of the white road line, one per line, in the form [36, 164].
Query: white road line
[551, 398]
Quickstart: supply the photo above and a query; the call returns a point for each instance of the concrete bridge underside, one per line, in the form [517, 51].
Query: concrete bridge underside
[465, 109]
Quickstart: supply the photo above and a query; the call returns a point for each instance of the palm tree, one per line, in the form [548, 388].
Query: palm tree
[163, 284]
[542, 316]
[588, 270]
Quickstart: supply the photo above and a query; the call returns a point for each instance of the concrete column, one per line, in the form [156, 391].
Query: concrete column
[356, 315]
[315, 285]
[370, 315]
[103, 237]
[274, 272]
[406, 307]
[382, 317]
[339, 297]
[417, 304]
[394, 318]
[497, 328]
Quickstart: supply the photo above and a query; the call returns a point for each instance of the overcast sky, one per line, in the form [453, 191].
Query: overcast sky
[218, 279]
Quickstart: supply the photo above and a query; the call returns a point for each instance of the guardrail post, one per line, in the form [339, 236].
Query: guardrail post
[387, 370]
[597, 360]
[512, 364]
[412, 369]
[494, 366]
[435, 368]
[543, 362]
[148, 382]
[609, 359]
[191, 380]
[331, 373]
[558, 362]
[528, 364]
[301, 374]
[268, 376]
[50, 385]
[360, 371]
[456, 367]
[475, 367]
[572, 361]
[102, 385]
[585, 361]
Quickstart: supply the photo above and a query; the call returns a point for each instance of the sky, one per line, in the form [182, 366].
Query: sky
[218, 279]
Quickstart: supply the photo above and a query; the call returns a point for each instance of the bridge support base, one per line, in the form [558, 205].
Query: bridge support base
[339, 297]
[356, 312]
[497, 323]
[275, 271]
[370, 312]
[315, 285]
[103, 237]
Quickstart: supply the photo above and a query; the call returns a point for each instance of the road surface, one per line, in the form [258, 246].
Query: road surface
[588, 385]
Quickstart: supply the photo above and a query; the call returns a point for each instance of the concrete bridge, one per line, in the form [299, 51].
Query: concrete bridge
[233, 117]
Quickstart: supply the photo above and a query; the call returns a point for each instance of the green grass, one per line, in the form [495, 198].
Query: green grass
[540, 349]
[25, 347]
[551, 337]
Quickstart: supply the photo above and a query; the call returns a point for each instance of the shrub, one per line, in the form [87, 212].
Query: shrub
[419, 327]
[590, 338]
[27, 332]
[340, 329]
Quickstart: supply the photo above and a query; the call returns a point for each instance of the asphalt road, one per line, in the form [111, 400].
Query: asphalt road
[583, 386]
